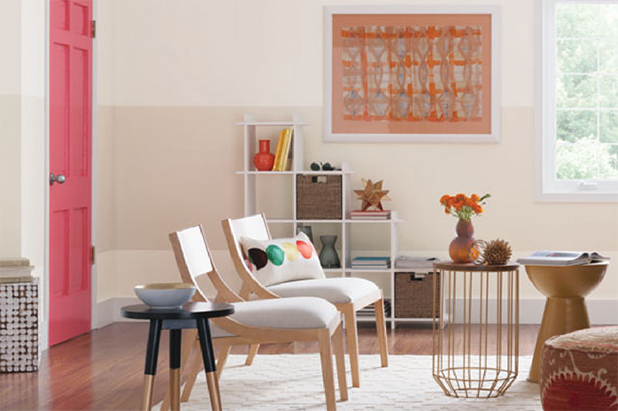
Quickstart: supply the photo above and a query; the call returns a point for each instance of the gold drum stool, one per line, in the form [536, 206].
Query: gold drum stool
[476, 336]
[565, 309]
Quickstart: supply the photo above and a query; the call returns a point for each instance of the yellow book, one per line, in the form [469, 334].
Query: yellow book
[279, 162]
[278, 152]
[288, 157]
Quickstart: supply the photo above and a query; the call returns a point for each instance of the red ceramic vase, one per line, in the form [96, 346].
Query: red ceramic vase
[264, 160]
[458, 250]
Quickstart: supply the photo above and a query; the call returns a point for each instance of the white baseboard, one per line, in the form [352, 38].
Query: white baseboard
[601, 311]
[108, 311]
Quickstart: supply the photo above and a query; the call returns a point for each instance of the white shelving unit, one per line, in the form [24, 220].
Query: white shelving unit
[250, 175]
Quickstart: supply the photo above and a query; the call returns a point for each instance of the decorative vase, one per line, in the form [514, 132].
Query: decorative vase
[328, 255]
[458, 250]
[307, 230]
[264, 160]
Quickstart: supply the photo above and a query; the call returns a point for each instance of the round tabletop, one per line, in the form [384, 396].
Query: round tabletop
[189, 311]
[452, 266]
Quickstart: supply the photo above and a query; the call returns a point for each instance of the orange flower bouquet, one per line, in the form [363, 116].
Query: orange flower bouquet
[464, 208]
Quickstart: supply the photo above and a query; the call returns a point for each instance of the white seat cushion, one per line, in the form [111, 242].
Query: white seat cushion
[335, 290]
[282, 313]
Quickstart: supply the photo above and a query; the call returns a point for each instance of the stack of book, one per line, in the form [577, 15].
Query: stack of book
[370, 215]
[14, 270]
[373, 263]
[283, 155]
[370, 312]
[419, 263]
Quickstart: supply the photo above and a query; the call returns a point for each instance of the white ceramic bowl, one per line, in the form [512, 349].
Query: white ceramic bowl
[165, 295]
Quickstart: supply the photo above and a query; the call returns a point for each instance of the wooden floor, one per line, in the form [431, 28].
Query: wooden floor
[103, 370]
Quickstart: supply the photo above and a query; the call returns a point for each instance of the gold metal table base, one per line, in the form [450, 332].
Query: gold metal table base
[565, 309]
[476, 336]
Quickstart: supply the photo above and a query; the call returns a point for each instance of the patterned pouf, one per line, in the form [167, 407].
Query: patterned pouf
[579, 370]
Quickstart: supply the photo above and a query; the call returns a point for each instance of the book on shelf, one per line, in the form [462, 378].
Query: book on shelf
[283, 156]
[369, 310]
[279, 148]
[371, 262]
[370, 215]
[562, 258]
[417, 263]
[288, 151]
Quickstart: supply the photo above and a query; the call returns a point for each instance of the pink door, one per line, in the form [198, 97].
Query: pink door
[70, 110]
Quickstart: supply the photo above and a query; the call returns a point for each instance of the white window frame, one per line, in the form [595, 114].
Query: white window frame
[547, 187]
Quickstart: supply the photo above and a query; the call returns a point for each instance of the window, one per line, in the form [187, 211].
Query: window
[577, 158]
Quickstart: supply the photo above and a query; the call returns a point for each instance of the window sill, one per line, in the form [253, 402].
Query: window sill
[576, 197]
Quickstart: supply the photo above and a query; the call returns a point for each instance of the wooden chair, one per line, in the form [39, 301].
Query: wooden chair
[347, 294]
[256, 322]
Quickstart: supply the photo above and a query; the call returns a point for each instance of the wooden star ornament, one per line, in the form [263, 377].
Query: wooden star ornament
[372, 195]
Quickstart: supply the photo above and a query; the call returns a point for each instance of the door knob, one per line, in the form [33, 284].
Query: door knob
[53, 179]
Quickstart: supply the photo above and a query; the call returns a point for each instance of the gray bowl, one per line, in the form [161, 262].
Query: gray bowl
[165, 295]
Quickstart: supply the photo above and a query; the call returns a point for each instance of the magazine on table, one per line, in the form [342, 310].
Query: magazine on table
[562, 258]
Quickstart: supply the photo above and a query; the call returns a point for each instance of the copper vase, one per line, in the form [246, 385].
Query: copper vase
[458, 250]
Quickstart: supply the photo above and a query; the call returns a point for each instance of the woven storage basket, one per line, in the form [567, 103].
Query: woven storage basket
[414, 296]
[318, 197]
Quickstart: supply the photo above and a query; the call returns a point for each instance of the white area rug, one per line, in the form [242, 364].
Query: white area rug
[294, 382]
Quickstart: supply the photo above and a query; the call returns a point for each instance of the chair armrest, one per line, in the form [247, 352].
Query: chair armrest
[250, 284]
[224, 292]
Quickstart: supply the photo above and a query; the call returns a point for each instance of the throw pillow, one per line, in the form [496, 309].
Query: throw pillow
[281, 260]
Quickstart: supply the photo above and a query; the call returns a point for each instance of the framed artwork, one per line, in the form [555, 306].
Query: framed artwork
[411, 74]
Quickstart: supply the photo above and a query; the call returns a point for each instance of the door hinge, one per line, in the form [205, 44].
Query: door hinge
[92, 254]
[93, 28]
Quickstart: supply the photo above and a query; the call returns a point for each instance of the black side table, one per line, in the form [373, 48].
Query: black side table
[191, 315]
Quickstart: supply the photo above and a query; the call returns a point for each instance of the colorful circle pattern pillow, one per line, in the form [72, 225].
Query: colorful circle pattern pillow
[281, 260]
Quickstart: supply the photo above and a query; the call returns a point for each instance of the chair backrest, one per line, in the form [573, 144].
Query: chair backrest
[192, 256]
[194, 260]
[254, 226]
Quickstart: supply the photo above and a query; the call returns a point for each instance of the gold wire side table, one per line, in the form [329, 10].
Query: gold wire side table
[476, 341]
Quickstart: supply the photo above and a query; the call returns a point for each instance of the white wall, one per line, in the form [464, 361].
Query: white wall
[22, 136]
[10, 47]
[10, 128]
[33, 162]
[175, 94]
[260, 53]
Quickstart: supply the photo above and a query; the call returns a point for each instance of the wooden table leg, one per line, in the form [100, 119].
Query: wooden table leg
[208, 357]
[561, 316]
[150, 370]
[175, 350]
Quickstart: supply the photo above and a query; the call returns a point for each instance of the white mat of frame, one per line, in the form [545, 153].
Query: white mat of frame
[294, 382]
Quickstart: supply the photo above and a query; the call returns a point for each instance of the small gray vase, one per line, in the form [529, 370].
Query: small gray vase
[307, 230]
[328, 255]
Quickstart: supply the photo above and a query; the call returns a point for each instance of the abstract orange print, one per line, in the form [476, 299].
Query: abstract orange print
[427, 75]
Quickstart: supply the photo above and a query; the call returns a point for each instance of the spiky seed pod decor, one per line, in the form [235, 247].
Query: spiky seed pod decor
[497, 252]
